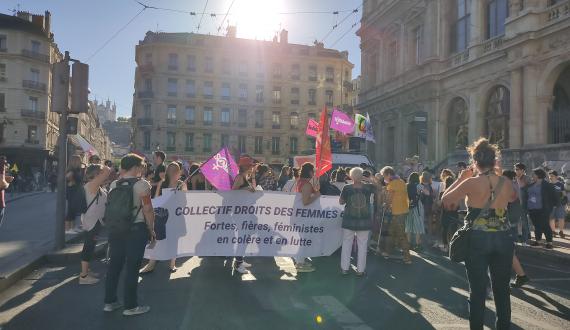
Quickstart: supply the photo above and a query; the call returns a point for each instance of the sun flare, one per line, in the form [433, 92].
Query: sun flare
[257, 19]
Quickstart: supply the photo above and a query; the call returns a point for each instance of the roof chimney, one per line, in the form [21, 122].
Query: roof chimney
[284, 36]
[24, 15]
[47, 22]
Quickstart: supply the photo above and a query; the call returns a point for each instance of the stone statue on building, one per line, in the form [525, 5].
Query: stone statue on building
[462, 137]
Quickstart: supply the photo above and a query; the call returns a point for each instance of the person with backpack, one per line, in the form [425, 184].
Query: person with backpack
[92, 216]
[129, 217]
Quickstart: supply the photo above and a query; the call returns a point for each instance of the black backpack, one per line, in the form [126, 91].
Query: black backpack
[119, 210]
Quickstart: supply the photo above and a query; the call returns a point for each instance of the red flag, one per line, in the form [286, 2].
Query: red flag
[323, 158]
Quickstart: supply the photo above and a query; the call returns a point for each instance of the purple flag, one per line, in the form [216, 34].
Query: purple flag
[341, 122]
[220, 170]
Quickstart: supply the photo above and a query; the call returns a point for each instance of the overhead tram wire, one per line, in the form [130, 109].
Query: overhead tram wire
[201, 17]
[117, 33]
[223, 20]
[344, 34]
[354, 11]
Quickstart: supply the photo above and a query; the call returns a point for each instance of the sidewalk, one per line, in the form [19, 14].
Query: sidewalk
[11, 197]
[560, 253]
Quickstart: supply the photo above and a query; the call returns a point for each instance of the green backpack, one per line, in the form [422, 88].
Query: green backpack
[119, 209]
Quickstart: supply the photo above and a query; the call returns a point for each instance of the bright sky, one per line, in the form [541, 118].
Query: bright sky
[83, 26]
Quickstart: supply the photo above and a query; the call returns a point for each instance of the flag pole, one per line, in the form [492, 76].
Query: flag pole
[179, 186]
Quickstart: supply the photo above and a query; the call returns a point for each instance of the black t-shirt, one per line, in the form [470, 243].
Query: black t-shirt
[159, 169]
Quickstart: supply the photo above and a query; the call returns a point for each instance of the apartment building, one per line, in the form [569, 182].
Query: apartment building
[195, 93]
[437, 75]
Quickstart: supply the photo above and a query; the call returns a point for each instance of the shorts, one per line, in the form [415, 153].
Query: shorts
[558, 212]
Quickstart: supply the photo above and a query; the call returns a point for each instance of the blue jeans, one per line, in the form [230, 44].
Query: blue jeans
[126, 250]
[525, 226]
[490, 251]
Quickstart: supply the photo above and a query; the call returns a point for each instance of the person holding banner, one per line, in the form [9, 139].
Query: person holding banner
[357, 219]
[309, 193]
[172, 181]
[241, 182]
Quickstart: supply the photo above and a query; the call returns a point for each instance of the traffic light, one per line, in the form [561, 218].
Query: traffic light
[60, 87]
[72, 123]
[79, 88]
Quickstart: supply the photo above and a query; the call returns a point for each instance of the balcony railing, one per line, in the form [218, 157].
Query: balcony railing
[296, 102]
[242, 125]
[145, 121]
[32, 141]
[27, 113]
[276, 126]
[173, 67]
[312, 103]
[189, 122]
[35, 55]
[459, 59]
[146, 68]
[493, 44]
[558, 11]
[171, 121]
[170, 148]
[145, 94]
[35, 85]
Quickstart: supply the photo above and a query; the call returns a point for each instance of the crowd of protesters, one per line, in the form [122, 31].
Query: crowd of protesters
[410, 207]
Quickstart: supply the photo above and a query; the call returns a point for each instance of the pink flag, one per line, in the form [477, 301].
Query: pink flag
[220, 170]
[342, 122]
[312, 128]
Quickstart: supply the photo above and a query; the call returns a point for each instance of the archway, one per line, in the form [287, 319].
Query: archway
[497, 115]
[457, 125]
[559, 116]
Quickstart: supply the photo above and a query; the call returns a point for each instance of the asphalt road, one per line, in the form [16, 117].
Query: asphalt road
[204, 294]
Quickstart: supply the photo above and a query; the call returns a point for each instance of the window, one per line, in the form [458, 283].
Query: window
[172, 61]
[497, 116]
[32, 134]
[258, 144]
[276, 120]
[191, 59]
[259, 93]
[260, 68]
[225, 140]
[207, 143]
[148, 85]
[171, 114]
[225, 117]
[36, 45]
[276, 95]
[190, 115]
[311, 142]
[242, 92]
[226, 92]
[259, 119]
[293, 143]
[209, 65]
[242, 117]
[147, 110]
[170, 141]
[35, 75]
[330, 74]
[189, 145]
[2, 102]
[3, 43]
[226, 66]
[457, 125]
[418, 45]
[172, 87]
[497, 12]
[311, 115]
[312, 96]
[313, 73]
[392, 58]
[2, 72]
[148, 58]
[242, 68]
[461, 29]
[295, 72]
[146, 140]
[275, 145]
[276, 70]
[33, 103]
[208, 89]
[346, 76]
[295, 95]
[242, 144]
[329, 98]
[294, 120]
[208, 116]
[190, 88]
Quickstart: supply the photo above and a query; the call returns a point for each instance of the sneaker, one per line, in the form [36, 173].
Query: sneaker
[241, 269]
[561, 234]
[88, 280]
[360, 274]
[549, 246]
[519, 281]
[246, 264]
[94, 274]
[71, 232]
[304, 268]
[112, 307]
[533, 243]
[136, 311]
[343, 272]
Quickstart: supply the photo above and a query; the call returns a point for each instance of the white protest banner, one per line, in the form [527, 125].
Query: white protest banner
[242, 223]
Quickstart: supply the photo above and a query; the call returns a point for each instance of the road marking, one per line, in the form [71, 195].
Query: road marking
[408, 307]
[545, 268]
[341, 314]
[551, 279]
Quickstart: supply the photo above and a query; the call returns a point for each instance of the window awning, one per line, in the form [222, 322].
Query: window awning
[79, 141]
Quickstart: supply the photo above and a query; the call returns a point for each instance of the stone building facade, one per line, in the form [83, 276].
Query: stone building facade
[195, 93]
[106, 111]
[438, 74]
[28, 129]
